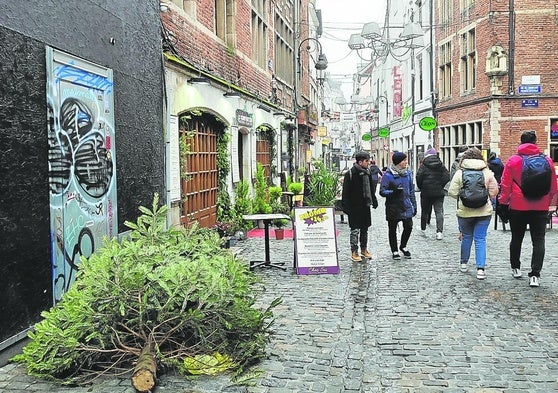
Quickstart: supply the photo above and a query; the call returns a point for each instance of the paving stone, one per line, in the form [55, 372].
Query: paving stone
[417, 325]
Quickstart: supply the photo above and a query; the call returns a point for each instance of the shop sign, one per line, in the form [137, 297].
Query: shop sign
[244, 118]
[428, 123]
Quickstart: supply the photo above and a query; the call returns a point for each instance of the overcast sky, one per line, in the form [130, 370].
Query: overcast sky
[341, 18]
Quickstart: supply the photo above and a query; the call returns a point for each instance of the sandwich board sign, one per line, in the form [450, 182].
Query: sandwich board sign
[315, 240]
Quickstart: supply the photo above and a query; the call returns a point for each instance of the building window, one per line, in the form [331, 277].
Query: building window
[284, 52]
[466, 4]
[444, 63]
[224, 21]
[259, 32]
[454, 137]
[468, 61]
[445, 11]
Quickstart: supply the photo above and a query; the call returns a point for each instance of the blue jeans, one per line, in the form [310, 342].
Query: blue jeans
[474, 228]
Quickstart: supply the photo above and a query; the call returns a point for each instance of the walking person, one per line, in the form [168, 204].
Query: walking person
[432, 176]
[398, 188]
[528, 203]
[357, 197]
[473, 185]
[375, 175]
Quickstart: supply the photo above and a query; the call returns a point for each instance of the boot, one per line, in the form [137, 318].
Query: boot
[365, 254]
[355, 257]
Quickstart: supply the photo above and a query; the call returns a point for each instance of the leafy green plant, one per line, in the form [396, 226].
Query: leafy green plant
[295, 188]
[171, 291]
[323, 186]
[261, 192]
[275, 193]
[280, 222]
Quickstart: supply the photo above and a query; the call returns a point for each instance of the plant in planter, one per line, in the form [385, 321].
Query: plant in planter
[275, 193]
[280, 224]
[226, 231]
[260, 203]
[323, 186]
[296, 189]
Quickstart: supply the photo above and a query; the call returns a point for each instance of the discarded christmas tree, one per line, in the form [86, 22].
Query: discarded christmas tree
[167, 297]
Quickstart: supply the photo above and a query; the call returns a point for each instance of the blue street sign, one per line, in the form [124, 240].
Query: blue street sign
[529, 103]
[530, 89]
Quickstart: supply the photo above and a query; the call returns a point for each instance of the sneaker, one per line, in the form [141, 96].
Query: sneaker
[396, 256]
[463, 267]
[439, 236]
[516, 273]
[365, 254]
[534, 281]
[406, 253]
[355, 257]
[481, 275]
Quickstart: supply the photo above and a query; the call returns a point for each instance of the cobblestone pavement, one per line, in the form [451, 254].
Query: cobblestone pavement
[414, 325]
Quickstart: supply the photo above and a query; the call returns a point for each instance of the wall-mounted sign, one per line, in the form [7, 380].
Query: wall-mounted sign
[530, 89]
[348, 117]
[428, 123]
[366, 137]
[244, 118]
[383, 132]
[529, 103]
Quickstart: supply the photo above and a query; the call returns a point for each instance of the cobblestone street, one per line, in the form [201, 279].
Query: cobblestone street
[414, 325]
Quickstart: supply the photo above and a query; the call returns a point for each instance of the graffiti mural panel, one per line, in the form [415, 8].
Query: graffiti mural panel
[82, 162]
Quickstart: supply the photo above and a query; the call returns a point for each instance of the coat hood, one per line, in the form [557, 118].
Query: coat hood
[528, 149]
[432, 162]
[473, 163]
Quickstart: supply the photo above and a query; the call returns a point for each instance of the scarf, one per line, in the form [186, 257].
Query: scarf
[399, 171]
[365, 175]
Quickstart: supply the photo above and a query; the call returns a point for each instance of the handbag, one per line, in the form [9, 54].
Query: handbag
[503, 211]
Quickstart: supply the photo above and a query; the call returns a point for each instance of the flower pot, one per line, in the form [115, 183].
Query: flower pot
[279, 233]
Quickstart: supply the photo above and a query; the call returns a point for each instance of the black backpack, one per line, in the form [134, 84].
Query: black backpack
[536, 176]
[473, 192]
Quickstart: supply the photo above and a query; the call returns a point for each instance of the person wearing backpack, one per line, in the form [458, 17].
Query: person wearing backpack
[527, 187]
[432, 176]
[398, 188]
[473, 185]
[375, 175]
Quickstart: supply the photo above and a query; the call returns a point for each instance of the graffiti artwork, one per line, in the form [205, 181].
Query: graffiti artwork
[81, 158]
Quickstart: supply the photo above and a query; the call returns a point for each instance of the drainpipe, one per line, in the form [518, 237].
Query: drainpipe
[511, 31]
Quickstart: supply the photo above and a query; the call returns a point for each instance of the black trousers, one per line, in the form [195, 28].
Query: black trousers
[392, 233]
[537, 228]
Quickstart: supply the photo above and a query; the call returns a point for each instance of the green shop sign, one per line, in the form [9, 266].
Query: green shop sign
[428, 123]
[366, 137]
[383, 132]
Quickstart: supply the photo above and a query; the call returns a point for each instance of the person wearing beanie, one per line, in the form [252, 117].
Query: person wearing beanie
[398, 188]
[496, 165]
[357, 197]
[431, 178]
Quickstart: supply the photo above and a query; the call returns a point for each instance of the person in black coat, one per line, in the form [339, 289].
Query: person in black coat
[496, 165]
[356, 199]
[375, 175]
[432, 176]
[398, 188]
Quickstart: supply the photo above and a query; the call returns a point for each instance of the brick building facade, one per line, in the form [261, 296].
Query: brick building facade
[496, 75]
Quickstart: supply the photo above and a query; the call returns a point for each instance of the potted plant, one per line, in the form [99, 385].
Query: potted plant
[260, 204]
[296, 189]
[323, 186]
[279, 224]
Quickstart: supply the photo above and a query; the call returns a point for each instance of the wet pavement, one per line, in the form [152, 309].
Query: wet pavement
[414, 325]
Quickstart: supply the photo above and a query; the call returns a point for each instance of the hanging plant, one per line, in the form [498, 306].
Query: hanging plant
[224, 211]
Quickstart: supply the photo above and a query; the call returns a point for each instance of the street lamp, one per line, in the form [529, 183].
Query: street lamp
[381, 44]
[320, 65]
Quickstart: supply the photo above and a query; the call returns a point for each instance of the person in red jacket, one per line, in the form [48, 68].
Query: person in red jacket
[524, 211]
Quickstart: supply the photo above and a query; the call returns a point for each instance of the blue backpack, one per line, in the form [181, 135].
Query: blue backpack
[536, 176]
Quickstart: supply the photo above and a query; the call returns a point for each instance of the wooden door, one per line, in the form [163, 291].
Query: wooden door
[263, 149]
[201, 183]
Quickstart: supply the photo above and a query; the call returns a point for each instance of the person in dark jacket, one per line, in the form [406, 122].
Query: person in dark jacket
[375, 175]
[356, 199]
[398, 188]
[496, 165]
[432, 176]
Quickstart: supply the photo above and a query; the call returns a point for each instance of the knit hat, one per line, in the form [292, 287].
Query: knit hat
[398, 157]
[430, 152]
